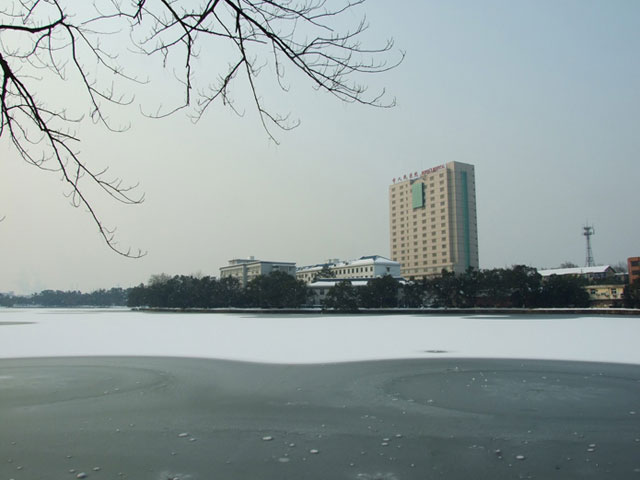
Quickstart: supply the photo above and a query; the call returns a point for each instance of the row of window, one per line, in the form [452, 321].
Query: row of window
[425, 259]
[414, 216]
[433, 205]
[339, 271]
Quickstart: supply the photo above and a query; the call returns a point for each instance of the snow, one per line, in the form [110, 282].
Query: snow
[316, 338]
[600, 269]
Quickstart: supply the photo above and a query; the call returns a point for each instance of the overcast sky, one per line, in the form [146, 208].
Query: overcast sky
[543, 97]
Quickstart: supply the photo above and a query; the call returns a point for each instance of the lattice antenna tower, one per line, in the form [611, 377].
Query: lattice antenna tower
[588, 230]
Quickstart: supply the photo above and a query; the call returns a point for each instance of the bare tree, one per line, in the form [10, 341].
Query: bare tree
[85, 42]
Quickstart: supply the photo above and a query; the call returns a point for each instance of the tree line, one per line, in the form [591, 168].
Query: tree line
[276, 290]
[114, 297]
[517, 287]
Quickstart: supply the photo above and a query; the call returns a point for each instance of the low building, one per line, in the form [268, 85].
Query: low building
[591, 273]
[633, 267]
[366, 267]
[247, 269]
[605, 295]
[319, 288]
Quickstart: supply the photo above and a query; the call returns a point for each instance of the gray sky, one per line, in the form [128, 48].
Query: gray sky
[542, 97]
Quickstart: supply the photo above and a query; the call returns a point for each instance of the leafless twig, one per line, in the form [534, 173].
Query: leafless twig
[61, 38]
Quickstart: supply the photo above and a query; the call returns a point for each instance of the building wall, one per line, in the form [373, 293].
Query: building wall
[433, 221]
[605, 295]
[633, 267]
[247, 270]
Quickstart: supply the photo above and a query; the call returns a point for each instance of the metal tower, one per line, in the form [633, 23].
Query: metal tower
[587, 232]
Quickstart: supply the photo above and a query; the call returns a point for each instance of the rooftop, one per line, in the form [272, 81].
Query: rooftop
[577, 270]
[365, 260]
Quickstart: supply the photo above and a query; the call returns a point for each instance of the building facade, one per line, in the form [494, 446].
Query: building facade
[633, 267]
[433, 221]
[605, 295]
[247, 269]
[366, 267]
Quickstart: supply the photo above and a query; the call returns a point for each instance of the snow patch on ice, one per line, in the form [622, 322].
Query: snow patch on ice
[316, 338]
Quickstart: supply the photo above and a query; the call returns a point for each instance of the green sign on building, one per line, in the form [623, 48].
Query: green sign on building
[417, 195]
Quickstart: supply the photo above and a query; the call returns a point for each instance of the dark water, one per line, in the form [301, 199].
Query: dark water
[160, 418]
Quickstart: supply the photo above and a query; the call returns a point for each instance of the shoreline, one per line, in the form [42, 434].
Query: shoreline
[403, 311]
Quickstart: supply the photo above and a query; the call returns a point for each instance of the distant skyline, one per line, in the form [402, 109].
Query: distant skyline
[542, 97]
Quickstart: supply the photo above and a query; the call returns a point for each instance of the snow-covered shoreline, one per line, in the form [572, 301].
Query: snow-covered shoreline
[314, 339]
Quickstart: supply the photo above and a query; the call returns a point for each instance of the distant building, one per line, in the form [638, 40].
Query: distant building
[592, 273]
[363, 268]
[433, 224]
[320, 287]
[633, 267]
[605, 295]
[246, 270]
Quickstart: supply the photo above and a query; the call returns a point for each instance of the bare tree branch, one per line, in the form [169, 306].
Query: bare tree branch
[85, 43]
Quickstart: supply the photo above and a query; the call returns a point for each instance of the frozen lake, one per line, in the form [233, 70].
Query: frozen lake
[158, 396]
[316, 338]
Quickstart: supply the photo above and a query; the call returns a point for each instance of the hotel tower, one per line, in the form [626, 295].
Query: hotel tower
[433, 222]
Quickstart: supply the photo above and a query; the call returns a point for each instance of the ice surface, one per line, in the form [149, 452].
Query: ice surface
[316, 338]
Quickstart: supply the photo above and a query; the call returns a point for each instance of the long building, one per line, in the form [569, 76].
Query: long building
[246, 269]
[433, 222]
[367, 267]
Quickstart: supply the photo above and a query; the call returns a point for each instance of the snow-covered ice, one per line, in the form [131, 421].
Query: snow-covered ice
[316, 338]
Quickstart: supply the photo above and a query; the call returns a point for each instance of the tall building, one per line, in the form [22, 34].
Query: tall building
[433, 221]
[633, 267]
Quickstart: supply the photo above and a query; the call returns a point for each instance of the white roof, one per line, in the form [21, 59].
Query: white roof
[576, 270]
[356, 282]
[362, 261]
[328, 283]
